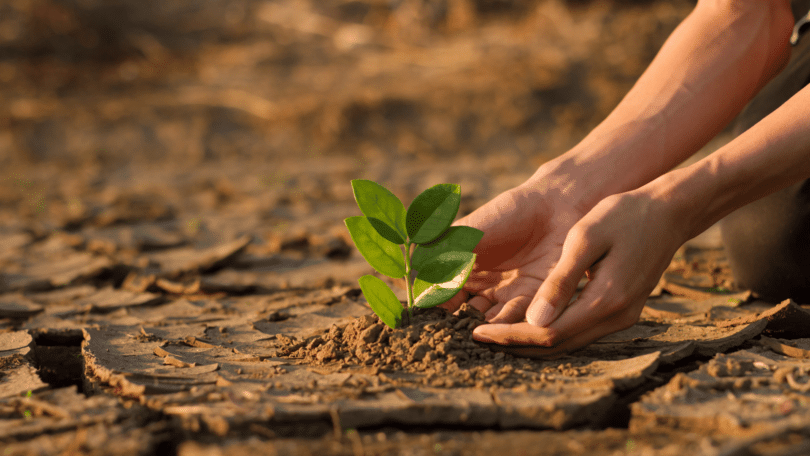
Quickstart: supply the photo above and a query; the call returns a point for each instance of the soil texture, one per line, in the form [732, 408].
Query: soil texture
[176, 278]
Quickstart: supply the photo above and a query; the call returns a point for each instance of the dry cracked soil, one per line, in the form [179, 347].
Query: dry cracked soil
[176, 279]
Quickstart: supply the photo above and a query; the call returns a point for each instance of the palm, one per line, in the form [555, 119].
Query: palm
[524, 235]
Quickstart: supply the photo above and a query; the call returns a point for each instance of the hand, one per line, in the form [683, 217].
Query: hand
[524, 230]
[623, 244]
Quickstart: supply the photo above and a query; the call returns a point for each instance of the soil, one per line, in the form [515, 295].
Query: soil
[176, 278]
[435, 343]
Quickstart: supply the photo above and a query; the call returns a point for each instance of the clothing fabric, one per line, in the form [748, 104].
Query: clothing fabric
[768, 241]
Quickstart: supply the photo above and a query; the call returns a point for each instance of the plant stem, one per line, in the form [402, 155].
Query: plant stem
[408, 279]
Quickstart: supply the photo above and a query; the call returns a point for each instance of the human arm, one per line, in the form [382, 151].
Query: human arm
[627, 239]
[708, 69]
[711, 65]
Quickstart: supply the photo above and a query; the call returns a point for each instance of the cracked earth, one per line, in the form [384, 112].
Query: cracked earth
[175, 276]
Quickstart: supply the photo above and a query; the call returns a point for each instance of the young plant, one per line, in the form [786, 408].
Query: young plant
[438, 266]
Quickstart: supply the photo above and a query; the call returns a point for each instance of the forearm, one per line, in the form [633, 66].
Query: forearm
[711, 65]
[773, 154]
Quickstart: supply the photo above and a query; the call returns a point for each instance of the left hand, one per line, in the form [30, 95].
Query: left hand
[624, 244]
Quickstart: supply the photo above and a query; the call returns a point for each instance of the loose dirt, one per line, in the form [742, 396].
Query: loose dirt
[435, 343]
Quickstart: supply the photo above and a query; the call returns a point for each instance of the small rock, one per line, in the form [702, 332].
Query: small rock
[327, 352]
[418, 352]
[371, 334]
[334, 331]
[365, 321]
[462, 323]
[314, 343]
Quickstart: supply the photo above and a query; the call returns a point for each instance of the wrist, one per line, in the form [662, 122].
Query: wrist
[690, 196]
[603, 164]
[567, 181]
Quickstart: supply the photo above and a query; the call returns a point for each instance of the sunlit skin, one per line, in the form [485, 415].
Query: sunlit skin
[611, 209]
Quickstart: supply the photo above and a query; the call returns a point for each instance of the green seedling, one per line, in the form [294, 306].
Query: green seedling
[435, 268]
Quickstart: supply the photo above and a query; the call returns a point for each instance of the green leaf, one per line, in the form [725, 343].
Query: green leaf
[382, 300]
[442, 278]
[432, 212]
[385, 211]
[456, 239]
[386, 231]
[383, 255]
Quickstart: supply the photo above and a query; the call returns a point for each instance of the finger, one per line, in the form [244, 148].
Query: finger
[511, 311]
[524, 339]
[602, 300]
[512, 334]
[579, 254]
[480, 303]
[600, 310]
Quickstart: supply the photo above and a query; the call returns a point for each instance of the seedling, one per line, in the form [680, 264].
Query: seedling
[434, 270]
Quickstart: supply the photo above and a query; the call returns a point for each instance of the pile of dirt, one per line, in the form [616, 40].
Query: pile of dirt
[436, 344]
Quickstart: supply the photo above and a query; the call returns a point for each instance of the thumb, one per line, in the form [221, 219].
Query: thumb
[554, 294]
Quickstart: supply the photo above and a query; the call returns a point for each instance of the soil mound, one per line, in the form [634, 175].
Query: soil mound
[436, 344]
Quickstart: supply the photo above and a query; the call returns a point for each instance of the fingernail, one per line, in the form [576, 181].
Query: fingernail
[541, 313]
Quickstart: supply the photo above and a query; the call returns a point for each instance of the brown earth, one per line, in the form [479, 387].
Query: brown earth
[175, 276]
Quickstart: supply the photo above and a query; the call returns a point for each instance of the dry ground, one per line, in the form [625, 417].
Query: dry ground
[175, 277]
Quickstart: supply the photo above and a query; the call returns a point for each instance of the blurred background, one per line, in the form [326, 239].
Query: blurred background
[230, 117]
[128, 80]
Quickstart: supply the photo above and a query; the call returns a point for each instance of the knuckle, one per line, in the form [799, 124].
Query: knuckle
[580, 239]
[579, 234]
